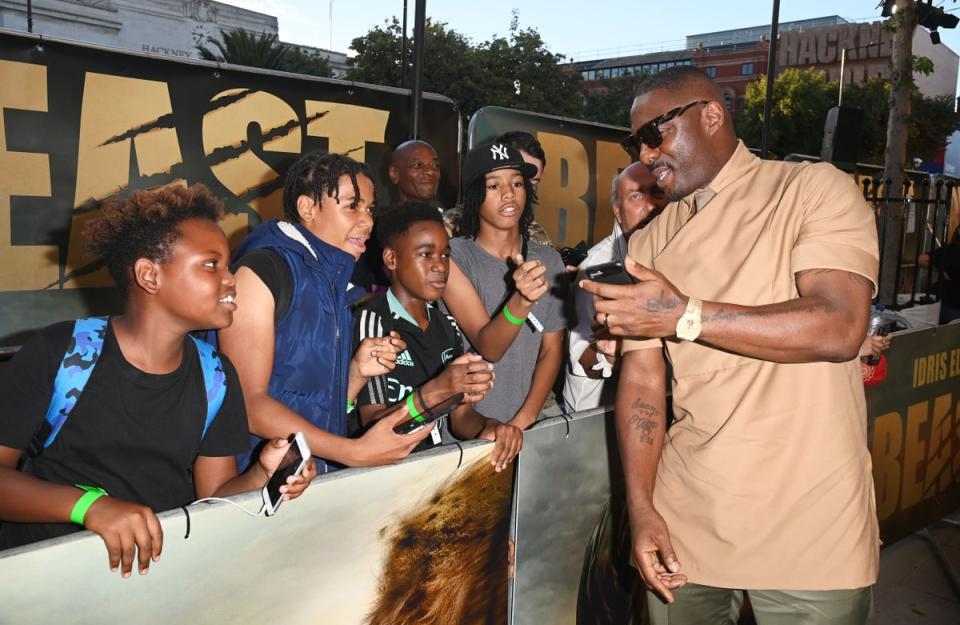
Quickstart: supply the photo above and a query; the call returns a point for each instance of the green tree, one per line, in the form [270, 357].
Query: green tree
[931, 122]
[801, 99]
[522, 73]
[872, 98]
[610, 103]
[451, 63]
[242, 47]
[516, 71]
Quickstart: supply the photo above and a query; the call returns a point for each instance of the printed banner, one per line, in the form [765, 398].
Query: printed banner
[915, 431]
[79, 125]
[582, 159]
[572, 536]
[423, 542]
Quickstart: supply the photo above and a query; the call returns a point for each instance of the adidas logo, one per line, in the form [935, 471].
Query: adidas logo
[405, 359]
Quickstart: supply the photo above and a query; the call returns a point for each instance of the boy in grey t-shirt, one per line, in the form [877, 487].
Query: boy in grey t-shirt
[502, 287]
[515, 369]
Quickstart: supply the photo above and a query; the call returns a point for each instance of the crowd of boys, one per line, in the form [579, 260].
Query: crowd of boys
[473, 308]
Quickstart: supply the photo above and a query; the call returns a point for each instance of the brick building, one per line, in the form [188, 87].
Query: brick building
[735, 58]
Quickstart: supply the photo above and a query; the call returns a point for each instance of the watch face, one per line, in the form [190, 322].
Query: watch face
[688, 326]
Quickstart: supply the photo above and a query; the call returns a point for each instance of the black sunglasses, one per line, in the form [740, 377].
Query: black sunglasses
[649, 134]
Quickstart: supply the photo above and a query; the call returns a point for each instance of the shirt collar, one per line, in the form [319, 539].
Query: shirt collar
[619, 241]
[739, 163]
[397, 309]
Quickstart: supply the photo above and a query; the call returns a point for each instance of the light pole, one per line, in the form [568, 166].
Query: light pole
[771, 72]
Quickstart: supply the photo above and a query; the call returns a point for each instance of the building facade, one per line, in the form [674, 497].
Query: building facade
[168, 27]
[735, 58]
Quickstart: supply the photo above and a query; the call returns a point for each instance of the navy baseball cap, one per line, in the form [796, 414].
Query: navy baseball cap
[488, 157]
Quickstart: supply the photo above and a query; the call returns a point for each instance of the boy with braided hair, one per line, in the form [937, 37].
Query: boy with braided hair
[291, 340]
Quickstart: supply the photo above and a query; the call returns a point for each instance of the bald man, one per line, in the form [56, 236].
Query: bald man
[593, 353]
[415, 172]
[756, 280]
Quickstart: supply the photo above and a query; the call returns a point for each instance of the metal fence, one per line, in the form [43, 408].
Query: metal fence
[924, 206]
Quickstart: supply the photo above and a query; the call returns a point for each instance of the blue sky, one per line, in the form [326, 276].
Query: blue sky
[567, 27]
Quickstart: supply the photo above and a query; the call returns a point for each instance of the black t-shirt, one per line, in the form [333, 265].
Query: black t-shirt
[427, 355]
[275, 274]
[134, 434]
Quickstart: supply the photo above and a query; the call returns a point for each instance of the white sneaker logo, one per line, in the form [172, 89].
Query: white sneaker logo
[498, 152]
[405, 359]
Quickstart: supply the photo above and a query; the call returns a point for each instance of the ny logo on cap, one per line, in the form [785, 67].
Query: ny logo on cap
[498, 152]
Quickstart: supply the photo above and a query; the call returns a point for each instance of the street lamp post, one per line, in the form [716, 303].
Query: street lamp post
[419, 19]
[771, 71]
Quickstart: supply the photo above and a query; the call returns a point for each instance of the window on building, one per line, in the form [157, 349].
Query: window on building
[746, 69]
[710, 71]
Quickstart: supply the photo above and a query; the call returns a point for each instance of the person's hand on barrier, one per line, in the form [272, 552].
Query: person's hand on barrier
[653, 554]
[529, 278]
[469, 374]
[381, 445]
[874, 346]
[377, 355]
[130, 532]
[272, 455]
[508, 441]
[649, 308]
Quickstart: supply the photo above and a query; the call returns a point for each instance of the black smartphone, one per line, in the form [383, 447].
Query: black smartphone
[433, 413]
[609, 273]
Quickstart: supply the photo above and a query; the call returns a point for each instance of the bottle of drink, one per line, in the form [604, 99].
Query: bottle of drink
[877, 328]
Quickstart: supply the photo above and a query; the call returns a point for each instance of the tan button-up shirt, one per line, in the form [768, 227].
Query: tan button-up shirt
[765, 478]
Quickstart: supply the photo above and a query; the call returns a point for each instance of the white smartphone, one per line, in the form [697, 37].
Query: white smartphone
[292, 464]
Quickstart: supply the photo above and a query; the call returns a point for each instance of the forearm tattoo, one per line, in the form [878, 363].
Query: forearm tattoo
[642, 419]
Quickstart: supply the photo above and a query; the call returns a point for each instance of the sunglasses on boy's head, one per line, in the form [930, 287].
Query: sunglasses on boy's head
[649, 134]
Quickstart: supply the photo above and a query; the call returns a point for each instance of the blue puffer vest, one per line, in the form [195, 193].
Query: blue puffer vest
[312, 347]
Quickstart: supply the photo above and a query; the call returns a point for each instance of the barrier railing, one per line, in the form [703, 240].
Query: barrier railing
[924, 206]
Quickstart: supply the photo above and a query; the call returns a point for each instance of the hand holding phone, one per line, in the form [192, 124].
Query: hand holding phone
[431, 414]
[292, 464]
[609, 273]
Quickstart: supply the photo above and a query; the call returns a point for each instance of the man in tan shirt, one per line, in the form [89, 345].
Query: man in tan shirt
[757, 281]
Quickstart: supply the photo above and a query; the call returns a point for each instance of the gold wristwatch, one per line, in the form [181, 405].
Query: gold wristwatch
[688, 326]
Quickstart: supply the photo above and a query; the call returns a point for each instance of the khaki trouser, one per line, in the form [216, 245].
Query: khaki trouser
[705, 605]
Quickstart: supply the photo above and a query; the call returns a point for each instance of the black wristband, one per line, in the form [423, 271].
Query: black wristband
[423, 403]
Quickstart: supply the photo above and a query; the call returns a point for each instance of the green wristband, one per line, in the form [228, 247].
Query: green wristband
[86, 500]
[514, 320]
[351, 405]
[414, 414]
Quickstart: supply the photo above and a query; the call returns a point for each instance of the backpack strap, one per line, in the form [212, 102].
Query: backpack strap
[214, 380]
[77, 365]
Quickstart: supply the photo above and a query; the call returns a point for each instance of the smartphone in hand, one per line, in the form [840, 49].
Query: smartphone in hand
[292, 464]
[433, 413]
[609, 273]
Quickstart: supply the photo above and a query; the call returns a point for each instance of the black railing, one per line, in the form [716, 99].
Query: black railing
[923, 206]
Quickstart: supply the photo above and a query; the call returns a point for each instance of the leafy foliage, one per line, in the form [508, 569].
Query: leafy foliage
[517, 71]
[610, 104]
[802, 98]
[242, 47]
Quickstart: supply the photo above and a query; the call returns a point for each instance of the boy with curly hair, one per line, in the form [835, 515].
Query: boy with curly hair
[137, 431]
